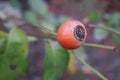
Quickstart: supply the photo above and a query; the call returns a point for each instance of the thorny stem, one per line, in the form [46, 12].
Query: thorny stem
[89, 67]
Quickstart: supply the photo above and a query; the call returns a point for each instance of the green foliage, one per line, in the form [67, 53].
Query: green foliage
[56, 61]
[115, 18]
[31, 38]
[3, 40]
[13, 62]
[100, 34]
[17, 43]
[114, 22]
[14, 47]
[9, 26]
[39, 6]
[16, 3]
[95, 16]
[116, 39]
[51, 18]
[30, 16]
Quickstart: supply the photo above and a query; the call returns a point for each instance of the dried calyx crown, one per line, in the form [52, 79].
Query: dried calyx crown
[79, 33]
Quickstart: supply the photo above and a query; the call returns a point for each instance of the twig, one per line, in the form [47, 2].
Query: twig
[88, 66]
[85, 44]
[43, 28]
[100, 46]
[86, 20]
[106, 28]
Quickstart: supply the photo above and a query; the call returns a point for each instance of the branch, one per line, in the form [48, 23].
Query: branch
[85, 44]
[100, 46]
[86, 20]
[106, 28]
[88, 66]
[43, 28]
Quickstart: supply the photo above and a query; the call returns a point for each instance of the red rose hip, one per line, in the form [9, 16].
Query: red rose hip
[71, 34]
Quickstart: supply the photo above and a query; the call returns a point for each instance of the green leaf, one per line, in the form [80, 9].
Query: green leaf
[16, 3]
[9, 26]
[116, 39]
[30, 16]
[51, 18]
[3, 40]
[100, 34]
[31, 38]
[95, 16]
[39, 6]
[56, 61]
[115, 18]
[14, 62]
[17, 42]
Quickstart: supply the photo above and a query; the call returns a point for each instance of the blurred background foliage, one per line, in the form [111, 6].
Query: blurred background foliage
[51, 13]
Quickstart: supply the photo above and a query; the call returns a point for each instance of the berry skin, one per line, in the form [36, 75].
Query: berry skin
[71, 34]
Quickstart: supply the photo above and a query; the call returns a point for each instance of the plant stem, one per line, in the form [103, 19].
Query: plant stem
[106, 28]
[88, 66]
[86, 20]
[39, 26]
[43, 28]
[100, 46]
